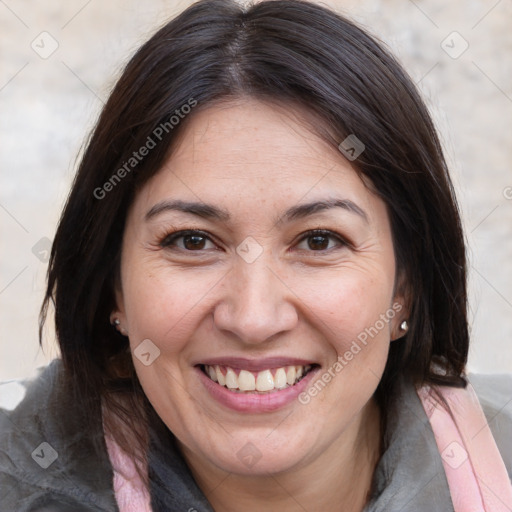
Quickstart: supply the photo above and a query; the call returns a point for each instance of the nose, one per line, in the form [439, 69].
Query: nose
[257, 305]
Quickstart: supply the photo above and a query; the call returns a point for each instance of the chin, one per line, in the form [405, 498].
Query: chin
[257, 455]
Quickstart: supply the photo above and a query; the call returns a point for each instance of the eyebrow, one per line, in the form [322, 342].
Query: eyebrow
[206, 211]
[304, 210]
[209, 211]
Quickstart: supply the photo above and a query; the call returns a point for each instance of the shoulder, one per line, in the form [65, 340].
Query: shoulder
[410, 470]
[494, 393]
[18, 397]
[47, 459]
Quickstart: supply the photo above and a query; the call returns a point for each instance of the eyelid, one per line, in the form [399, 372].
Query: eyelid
[344, 242]
[167, 238]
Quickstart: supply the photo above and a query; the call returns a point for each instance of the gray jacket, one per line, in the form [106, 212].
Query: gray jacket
[48, 462]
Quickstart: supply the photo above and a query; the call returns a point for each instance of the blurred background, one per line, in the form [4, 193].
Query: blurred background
[59, 61]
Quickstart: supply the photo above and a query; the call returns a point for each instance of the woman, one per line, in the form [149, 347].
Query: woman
[259, 284]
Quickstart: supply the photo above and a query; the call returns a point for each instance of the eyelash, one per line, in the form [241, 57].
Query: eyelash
[167, 241]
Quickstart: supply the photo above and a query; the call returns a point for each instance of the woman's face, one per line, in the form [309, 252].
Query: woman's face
[258, 253]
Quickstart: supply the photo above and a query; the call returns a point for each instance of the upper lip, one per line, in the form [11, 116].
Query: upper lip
[256, 365]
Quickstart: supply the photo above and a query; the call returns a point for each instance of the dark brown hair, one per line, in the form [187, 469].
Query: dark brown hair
[289, 52]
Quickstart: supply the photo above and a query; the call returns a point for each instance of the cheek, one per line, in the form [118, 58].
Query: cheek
[354, 313]
[354, 317]
[350, 302]
[166, 306]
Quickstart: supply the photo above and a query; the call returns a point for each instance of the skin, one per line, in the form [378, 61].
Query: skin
[302, 297]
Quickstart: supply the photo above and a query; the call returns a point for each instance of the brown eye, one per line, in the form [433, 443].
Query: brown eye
[193, 242]
[320, 240]
[188, 241]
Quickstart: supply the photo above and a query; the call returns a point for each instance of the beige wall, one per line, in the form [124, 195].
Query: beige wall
[48, 104]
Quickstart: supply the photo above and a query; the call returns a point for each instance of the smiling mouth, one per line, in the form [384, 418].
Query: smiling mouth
[262, 382]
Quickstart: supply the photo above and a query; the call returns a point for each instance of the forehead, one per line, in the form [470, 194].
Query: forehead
[260, 136]
[256, 153]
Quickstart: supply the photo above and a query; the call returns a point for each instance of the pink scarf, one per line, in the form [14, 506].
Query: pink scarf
[475, 471]
[131, 493]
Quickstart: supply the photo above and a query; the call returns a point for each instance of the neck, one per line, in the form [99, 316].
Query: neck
[342, 474]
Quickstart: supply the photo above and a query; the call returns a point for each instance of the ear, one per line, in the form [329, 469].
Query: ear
[118, 315]
[401, 305]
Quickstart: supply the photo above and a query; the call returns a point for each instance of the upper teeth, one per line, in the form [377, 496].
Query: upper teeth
[256, 381]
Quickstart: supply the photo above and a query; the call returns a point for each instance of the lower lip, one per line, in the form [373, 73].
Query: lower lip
[255, 402]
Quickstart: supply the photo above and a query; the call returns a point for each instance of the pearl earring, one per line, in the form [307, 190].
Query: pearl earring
[117, 324]
[404, 326]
